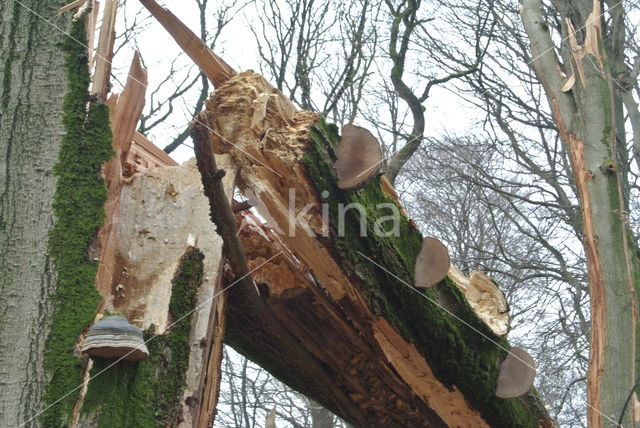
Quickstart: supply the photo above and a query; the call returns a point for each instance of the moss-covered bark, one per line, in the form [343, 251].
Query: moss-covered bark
[462, 353]
[32, 90]
[78, 209]
[148, 394]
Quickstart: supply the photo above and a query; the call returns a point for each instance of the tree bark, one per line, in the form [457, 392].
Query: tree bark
[55, 141]
[320, 417]
[32, 88]
[587, 115]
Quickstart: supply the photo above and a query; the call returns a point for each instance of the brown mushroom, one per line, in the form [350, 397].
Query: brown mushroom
[432, 264]
[114, 337]
[358, 157]
[516, 376]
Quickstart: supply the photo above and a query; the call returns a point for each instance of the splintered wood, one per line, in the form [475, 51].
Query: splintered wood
[104, 51]
[214, 67]
[485, 298]
[398, 382]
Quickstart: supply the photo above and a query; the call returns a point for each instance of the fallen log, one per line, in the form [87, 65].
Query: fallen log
[403, 357]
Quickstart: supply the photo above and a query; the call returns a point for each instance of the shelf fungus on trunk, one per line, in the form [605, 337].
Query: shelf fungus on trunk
[432, 263]
[114, 337]
[516, 376]
[358, 157]
[486, 299]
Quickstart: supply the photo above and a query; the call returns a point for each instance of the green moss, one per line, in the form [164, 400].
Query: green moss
[455, 350]
[78, 209]
[147, 394]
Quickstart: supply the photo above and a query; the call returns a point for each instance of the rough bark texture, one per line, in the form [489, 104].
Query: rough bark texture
[32, 86]
[587, 115]
[400, 359]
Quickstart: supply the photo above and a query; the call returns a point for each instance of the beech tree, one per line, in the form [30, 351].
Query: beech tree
[583, 81]
[34, 119]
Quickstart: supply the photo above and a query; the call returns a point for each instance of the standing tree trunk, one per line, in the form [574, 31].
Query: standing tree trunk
[587, 112]
[320, 417]
[33, 84]
[56, 141]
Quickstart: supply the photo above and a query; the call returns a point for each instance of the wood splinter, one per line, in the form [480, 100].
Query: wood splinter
[214, 67]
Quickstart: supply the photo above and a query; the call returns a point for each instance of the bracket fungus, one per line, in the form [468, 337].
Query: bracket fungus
[432, 264]
[358, 157]
[115, 337]
[517, 372]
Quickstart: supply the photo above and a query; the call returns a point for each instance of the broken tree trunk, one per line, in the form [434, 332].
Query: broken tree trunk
[590, 122]
[160, 265]
[144, 240]
[146, 233]
[402, 357]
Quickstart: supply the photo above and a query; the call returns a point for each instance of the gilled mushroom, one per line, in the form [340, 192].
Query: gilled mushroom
[358, 157]
[432, 264]
[517, 372]
[115, 337]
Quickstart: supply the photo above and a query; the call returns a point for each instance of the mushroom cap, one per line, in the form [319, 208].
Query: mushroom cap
[432, 264]
[115, 337]
[358, 157]
[517, 372]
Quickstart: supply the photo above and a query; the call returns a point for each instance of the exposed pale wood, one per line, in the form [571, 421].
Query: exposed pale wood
[211, 373]
[486, 299]
[144, 154]
[91, 33]
[104, 51]
[211, 65]
[72, 5]
[125, 110]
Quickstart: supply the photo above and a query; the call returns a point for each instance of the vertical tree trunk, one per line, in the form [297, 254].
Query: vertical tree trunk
[320, 417]
[55, 140]
[32, 87]
[588, 115]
